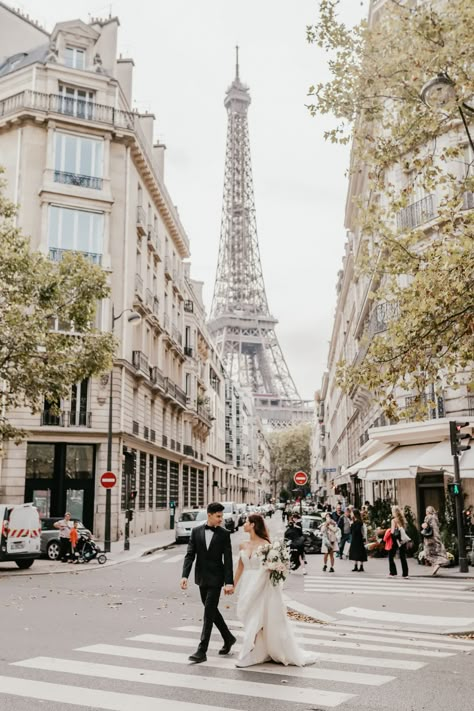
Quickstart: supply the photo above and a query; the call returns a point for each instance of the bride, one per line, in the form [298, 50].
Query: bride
[268, 635]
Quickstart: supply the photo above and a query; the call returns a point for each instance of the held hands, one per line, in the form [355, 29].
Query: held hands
[184, 584]
[228, 589]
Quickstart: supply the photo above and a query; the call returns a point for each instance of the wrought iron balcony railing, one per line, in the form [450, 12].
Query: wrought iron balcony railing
[140, 362]
[66, 418]
[416, 214]
[56, 254]
[82, 181]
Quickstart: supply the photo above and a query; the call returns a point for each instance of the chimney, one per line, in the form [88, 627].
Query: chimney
[159, 158]
[124, 72]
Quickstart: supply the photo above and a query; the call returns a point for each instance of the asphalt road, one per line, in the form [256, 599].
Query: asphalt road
[118, 638]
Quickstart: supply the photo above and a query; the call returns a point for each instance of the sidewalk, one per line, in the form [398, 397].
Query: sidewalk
[139, 546]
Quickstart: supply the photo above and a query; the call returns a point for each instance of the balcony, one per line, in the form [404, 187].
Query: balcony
[168, 270]
[66, 418]
[152, 240]
[146, 433]
[141, 221]
[416, 214]
[188, 450]
[431, 405]
[152, 436]
[175, 392]
[56, 255]
[135, 428]
[139, 286]
[81, 181]
[188, 351]
[178, 446]
[204, 413]
[177, 335]
[172, 444]
[381, 315]
[140, 363]
[157, 378]
[164, 441]
[189, 306]
[166, 322]
[156, 307]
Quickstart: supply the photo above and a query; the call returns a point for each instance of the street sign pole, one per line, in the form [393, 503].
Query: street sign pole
[463, 564]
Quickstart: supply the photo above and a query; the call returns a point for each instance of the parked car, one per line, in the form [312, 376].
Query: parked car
[187, 520]
[313, 537]
[49, 541]
[231, 516]
[243, 513]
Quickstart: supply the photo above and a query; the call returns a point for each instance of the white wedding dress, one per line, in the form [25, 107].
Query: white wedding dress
[268, 635]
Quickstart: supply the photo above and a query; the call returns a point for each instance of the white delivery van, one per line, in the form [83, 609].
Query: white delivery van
[20, 533]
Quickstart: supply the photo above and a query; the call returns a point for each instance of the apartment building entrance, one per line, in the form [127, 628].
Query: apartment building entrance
[60, 477]
[430, 492]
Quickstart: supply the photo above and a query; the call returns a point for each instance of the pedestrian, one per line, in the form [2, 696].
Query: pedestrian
[435, 552]
[399, 540]
[295, 538]
[344, 523]
[357, 551]
[73, 538]
[337, 513]
[64, 527]
[210, 546]
[331, 534]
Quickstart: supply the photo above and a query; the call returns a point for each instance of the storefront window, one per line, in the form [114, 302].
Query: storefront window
[39, 461]
[79, 461]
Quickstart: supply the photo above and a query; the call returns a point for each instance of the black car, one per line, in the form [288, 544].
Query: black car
[312, 535]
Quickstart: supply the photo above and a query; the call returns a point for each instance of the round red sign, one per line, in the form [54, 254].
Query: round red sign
[108, 480]
[300, 478]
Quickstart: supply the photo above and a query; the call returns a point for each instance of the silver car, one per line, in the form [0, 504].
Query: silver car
[187, 520]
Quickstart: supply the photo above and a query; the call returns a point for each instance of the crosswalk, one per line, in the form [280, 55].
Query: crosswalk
[144, 671]
[162, 557]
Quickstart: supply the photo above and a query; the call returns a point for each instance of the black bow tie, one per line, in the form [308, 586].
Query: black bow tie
[210, 528]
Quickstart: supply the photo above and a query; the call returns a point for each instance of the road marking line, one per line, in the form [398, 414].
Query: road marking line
[402, 617]
[174, 558]
[305, 610]
[151, 558]
[447, 597]
[255, 689]
[94, 698]
[191, 643]
[429, 583]
[310, 672]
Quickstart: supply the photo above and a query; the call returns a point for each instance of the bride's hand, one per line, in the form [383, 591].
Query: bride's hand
[228, 590]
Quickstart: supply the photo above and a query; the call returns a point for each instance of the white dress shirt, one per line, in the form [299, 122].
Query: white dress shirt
[209, 534]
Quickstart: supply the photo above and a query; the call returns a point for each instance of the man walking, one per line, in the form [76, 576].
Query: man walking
[210, 546]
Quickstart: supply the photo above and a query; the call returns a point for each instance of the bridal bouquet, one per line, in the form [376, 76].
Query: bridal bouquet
[276, 559]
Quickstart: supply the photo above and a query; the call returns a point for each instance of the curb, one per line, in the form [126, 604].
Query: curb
[85, 567]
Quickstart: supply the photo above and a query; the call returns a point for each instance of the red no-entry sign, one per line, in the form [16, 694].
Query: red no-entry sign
[108, 480]
[300, 478]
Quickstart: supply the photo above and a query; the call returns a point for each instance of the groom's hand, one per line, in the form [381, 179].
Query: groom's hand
[184, 584]
[228, 589]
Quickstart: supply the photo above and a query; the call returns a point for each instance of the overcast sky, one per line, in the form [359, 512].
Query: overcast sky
[184, 62]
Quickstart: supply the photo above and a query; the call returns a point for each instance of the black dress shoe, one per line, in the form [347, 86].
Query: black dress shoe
[228, 646]
[198, 657]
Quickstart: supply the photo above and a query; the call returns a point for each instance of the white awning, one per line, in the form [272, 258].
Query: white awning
[439, 458]
[361, 466]
[401, 463]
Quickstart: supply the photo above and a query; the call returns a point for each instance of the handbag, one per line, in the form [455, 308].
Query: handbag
[409, 545]
[427, 532]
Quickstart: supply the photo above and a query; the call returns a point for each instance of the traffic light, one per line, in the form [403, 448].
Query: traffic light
[132, 495]
[456, 436]
[454, 488]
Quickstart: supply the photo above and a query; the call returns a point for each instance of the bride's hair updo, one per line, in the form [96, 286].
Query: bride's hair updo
[259, 526]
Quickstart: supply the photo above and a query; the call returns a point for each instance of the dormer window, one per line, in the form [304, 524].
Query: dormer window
[75, 57]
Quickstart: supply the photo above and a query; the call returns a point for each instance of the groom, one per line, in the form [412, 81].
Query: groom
[210, 546]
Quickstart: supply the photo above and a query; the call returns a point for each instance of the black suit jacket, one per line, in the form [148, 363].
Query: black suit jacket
[214, 565]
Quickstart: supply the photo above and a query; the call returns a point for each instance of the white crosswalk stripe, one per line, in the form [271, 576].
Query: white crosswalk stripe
[174, 558]
[329, 683]
[390, 591]
[151, 558]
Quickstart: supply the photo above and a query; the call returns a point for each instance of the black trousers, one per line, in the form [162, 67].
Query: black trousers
[64, 548]
[403, 560]
[210, 599]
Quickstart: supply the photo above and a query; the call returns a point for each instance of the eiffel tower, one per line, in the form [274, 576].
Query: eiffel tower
[240, 321]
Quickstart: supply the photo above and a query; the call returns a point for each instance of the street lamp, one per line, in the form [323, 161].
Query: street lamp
[134, 318]
[439, 93]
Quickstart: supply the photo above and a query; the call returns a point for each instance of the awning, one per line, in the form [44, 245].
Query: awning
[439, 458]
[361, 466]
[401, 463]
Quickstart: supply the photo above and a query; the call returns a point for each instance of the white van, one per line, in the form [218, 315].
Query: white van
[20, 533]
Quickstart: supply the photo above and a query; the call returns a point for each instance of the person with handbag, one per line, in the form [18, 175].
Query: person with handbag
[400, 541]
[331, 535]
[435, 552]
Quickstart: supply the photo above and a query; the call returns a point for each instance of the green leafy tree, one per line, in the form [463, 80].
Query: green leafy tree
[401, 147]
[37, 362]
[291, 452]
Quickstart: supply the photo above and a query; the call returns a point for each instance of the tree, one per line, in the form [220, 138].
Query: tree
[37, 362]
[423, 278]
[290, 451]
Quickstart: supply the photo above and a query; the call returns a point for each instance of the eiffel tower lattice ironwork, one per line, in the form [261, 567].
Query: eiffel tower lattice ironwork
[240, 320]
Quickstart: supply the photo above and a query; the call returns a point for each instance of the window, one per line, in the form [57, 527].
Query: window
[75, 57]
[142, 482]
[78, 416]
[75, 230]
[76, 102]
[78, 160]
[161, 473]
